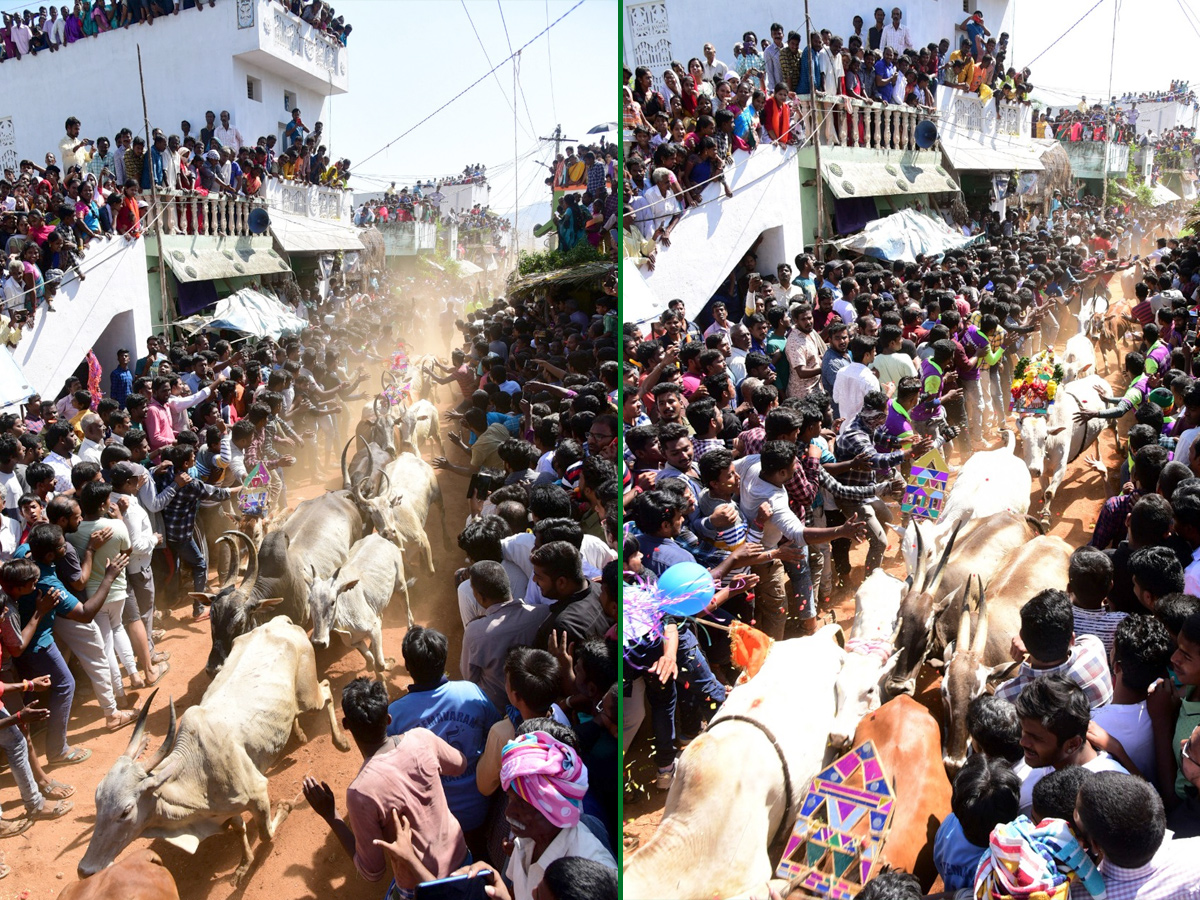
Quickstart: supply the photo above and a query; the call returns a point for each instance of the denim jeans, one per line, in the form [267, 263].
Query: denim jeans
[189, 552]
[34, 663]
[13, 742]
[695, 685]
[800, 575]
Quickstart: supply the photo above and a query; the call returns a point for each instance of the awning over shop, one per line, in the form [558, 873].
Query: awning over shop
[233, 258]
[250, 312]
[1163, 195]
[466, 267]
[14, 388]
[971, 157]
[300, 234]
[877, 179]
[903, 235]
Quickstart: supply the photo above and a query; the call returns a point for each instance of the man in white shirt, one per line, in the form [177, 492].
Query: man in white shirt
[60, 441]
[774, 71]
[93, 438]
[713, 67]
[228, 135]
[891, 364]
[853, 382]
[896, 37]
[10, 493]
[72, 149]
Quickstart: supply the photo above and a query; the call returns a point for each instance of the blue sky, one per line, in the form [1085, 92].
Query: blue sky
[409, 58]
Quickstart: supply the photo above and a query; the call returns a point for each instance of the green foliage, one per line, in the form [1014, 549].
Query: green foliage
[1145, 194]
[539, 262]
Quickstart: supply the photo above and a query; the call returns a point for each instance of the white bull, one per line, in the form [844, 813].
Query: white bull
[353, 599]
[731, 790]
[1051, 442]
[210, 770]
[990, 482]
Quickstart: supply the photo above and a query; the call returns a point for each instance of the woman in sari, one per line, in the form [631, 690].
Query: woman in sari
[72, 24]
[85, 18]
[100, 17]
[570, 223]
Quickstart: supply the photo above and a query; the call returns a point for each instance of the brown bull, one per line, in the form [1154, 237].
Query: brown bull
[139, 876]
[907, 739]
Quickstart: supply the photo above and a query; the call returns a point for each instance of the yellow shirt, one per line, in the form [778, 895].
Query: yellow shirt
[288, 169]
[76, 419]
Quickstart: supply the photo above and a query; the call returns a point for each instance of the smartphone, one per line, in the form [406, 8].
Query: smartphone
[456, 887]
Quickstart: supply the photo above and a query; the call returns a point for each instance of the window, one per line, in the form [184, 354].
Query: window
[289, 101]
[254, 89]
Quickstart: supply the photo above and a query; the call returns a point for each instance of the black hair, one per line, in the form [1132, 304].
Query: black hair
[1054, 795]
[559, 560]
[713, 463]
[776, 456]
[424, 651]
[1157, 570]
[995, 727]
[365, 708]
[559, 529]
[1122, 817]
[892, 886]
[549, 501]
[652, 509]
[576, 878]
[1175, 609]
[987, 793]
[1142, 646]
[1047, 623]
[93, 496]
[43, 539]
[481, 538]
[1150, 520]
[1090, 573]
[533, 676]
[1059, 705]
[599, 662]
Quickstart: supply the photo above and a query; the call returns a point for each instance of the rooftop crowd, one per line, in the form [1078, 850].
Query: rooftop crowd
[48, 30]
[767, 431]
[116, 487]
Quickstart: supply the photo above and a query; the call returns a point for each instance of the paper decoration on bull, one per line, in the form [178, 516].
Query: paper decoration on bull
[927, 487]
[684, 589]
[1035, 384]
[253, 499]
[845, 814]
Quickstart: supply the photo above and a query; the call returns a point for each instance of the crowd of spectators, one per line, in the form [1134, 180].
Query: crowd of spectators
[114, 487]
[50, 29]
[1179, 92]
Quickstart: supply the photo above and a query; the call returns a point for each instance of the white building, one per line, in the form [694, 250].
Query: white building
[1157, 116]
[455, 197]
[269, 63]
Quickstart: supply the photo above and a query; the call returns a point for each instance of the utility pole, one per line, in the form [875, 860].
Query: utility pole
[516, 241]
[816, 125]
[1107, 125]
[157, 211]
[557, 138]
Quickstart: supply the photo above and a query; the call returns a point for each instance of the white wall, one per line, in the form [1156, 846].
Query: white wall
[115, 284]
[184, 77]
[1160, 117]
[686, 25]
[710, 239]
[457, 197]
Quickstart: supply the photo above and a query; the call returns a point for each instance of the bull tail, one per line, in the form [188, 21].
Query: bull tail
[1037, 524]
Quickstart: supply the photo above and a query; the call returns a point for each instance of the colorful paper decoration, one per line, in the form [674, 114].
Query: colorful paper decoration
[845, 815]
[1035, 384]
[926, 489]
[253, 500]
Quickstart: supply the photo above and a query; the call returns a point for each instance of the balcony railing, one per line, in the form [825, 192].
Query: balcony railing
[879, 126]
[217, 215]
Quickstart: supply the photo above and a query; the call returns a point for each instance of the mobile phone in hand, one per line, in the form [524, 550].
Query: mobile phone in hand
[456, 887]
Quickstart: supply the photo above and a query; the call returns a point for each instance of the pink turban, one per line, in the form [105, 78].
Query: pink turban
[547, 774]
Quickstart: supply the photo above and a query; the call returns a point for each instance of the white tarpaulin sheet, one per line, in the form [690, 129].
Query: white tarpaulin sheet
[14, 388]
[250, 312]
[903, 235]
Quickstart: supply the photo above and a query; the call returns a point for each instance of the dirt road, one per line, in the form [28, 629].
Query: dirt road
[306, 860]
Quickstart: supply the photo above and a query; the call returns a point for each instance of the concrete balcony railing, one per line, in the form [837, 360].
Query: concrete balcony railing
[217, 215]
[963, 112]
[270, 37]
[313, 201]
[408, 238]
[878, 126]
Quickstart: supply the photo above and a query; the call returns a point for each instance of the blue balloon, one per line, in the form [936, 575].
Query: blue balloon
[688, 586]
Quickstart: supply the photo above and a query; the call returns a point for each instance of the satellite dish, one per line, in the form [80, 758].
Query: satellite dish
[258, 221]
[925, 134]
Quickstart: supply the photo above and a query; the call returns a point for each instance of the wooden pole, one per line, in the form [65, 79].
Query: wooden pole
[816, 139]
[157, 212]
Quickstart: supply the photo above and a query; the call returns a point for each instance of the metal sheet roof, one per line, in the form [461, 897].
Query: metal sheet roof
[970, 157]
[883, 179]
[199, 258]
[301, 234]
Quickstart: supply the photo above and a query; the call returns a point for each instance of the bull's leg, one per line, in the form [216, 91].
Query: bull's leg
[298, 731]
[368, 653]
[427, 556]
[239, 825]
[339, 739]
[260, 808]
[407, 598]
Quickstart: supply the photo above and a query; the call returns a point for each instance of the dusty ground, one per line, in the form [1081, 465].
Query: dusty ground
[306, 860]
[1076, 507]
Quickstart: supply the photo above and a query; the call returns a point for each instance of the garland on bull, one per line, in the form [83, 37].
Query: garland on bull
[1035, 383]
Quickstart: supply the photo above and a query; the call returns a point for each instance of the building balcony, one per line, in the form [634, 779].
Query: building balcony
[1087, 158]
[272, 38]
[214, 215]
[855, 124]
[408, 238]
[310, 200]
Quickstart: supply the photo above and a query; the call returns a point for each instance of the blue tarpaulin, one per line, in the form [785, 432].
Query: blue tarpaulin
[251, 312]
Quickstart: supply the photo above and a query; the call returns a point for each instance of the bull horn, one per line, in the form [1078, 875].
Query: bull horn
[375, 405]
[345, 469]
[167, 745]
[230, 572]
[979, 644]
[387, 377]
[385, 484]
[919, 574]
[964, 618]
[360, 490]
[941, 567]
[252, 559]
[139, 729]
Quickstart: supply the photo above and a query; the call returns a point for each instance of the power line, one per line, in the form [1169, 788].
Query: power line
[1065, 33]
[550, 64]
[1186, 16]
[472, 85]
[512, 108]
[517, 67]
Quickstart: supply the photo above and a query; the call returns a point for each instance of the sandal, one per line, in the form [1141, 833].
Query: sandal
[13, 827]
[123, 717]
[48, 812]
[56, 790]
[159, 656]
[163, 669]
[77, 755]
